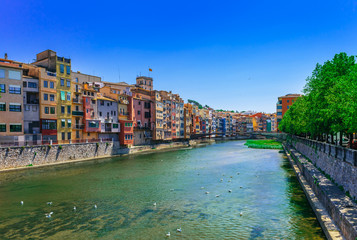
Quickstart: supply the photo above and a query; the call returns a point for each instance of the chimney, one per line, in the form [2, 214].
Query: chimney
[6, 56]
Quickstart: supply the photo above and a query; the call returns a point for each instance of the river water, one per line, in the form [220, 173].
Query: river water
[265, 202]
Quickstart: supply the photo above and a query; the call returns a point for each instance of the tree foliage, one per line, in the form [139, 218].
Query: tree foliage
[330, 102]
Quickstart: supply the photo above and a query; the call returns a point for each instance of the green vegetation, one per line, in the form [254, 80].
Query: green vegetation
[264, 144]
[30, 165]
[329, 106]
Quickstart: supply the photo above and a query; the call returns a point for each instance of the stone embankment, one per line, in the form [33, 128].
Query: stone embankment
[319, 168]
[12, 158]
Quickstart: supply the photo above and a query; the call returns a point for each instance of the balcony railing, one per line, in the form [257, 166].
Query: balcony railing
[77, 100]
[78, 126]
[77, 113]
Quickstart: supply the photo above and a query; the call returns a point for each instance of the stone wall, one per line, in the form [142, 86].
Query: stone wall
[17, 157]
[337, 162]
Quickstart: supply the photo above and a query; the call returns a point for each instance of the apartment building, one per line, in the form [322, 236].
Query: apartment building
[158, 131]
[283, 105]
[108, 116]
[11, 101]
[91, 122]
[62, 67]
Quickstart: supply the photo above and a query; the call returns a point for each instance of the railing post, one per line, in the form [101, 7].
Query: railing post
[51, 142]
[101, 139]
[86, 140]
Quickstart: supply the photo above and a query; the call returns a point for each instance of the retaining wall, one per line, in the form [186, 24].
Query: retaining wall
[337, 162]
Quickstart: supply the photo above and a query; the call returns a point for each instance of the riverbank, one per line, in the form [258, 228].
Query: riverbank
[23, 158]
[335, 211]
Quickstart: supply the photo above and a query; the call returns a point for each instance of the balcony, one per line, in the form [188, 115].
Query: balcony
[78, 126]
[77, 100]
[77, 113]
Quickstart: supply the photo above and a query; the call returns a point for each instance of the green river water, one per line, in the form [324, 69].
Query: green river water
[265, 202]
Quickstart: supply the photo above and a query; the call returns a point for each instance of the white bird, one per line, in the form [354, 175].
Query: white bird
[95, 206]
[221, 180]
[207, 192]
[74, 208]
[172, 189]
[49, 203]
[48, 215]
[22, 202]
[168, 234]
[178, 230]
[241, 213]
[154, 204]
[229, 190]
[217, 195]
[202, 187]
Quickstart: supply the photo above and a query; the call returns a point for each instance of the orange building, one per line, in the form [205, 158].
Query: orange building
[284, 104]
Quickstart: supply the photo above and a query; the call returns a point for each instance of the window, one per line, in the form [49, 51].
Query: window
[100, 114]
[278, 107]
[279, 113]
[32, 85]
[45, 96]
[62, 82]
[15, 75]
[69, 136]
[68, 83]
[49, 124]
[63, 136]
[27, 107]
[15, 107]
[47, 111]
[69, 123]
[68, 96]
[62, 109]
[15, 127]
[139, 103]
[77, 134]
[101, 103]
[52, 85]
[93, 102]
[76, 79]
[107, 104]
[52, 97]
[288, 107]
[14, 89]
[287, 101]
[63, 123]
[61, 68]
[115, 125]
[2, 87]
[63, 95]
[53, 111]
[68, 70]
[93, 124]
[2, 73]
[2, 106]
[45, 84]
[24, 84]
[2, 127]
[77, 108]
[69, 109]
[138, 112]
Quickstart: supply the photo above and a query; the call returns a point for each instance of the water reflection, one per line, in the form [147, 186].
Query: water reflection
[266, 192]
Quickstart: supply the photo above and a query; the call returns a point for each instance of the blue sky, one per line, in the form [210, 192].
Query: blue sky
[238, 55]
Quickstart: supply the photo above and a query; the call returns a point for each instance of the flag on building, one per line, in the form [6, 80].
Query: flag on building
[150, 70]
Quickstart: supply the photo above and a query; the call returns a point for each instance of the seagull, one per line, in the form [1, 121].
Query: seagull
[202, 187]
[221, 180]
[207, 192]
[74, 208]
[241, 213]
[48, 215]
[22, 202]
[49, 203]
[154, 204]
[168, 234]
[95, 206]
[217, 195]
[179, 230]
[172, 189]
[229, 190]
